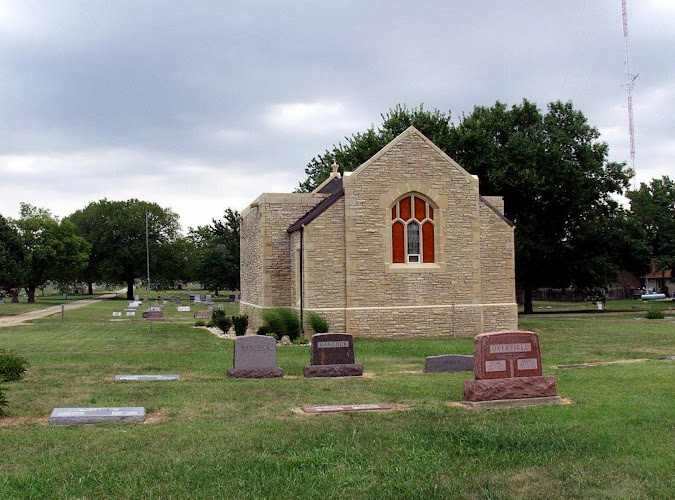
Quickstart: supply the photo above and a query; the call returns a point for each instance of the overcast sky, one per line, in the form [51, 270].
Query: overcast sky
[202, 105]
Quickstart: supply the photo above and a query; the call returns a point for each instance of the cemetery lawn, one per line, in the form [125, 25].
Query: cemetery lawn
[208, 436]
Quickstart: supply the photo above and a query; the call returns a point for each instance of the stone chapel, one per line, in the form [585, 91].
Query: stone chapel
[403, 245]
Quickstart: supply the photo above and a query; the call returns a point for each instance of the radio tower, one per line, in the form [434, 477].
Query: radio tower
[630, 82]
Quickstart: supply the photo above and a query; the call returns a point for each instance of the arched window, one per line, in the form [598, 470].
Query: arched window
[412, 231]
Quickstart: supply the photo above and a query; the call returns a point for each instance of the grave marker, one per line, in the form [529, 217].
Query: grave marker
[146, 378]
[203, 314]
[183, 308]
[117, 313]
[344, 408]
[131, 313]
[507, 365]
[255, 357]
[448, 363]
[153, 315]
[67, 416]
[332, 356]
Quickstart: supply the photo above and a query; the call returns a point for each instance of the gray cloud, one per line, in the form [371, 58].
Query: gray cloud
[203, 105]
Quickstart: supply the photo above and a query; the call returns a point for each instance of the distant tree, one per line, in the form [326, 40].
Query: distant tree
[116, 232]
[557, 184]
[653, 208]
[52, 251]
[217, 245]
[11, 257]
[362, 146]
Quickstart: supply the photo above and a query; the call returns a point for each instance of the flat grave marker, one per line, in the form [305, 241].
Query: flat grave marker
[117, 313]
[68, 416]
[146, 378]
[255, 357]
[183, 308]
[344, 408]
[153, 315]
[448, 363]
[203, 314]
[131, 313]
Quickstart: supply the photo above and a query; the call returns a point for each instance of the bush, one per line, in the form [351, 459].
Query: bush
[282, 321]
[221, 320]
[655, 313]
[240, 324]
[318, 323]
[303, 340]
[3, 401]
[264, 331]
[12, 366]
[199, 322]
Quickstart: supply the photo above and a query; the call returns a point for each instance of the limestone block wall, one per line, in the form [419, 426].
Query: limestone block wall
[324, 266]
[264, 229]
[380, 294]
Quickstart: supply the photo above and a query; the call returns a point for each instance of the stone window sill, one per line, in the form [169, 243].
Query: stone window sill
[414, 268]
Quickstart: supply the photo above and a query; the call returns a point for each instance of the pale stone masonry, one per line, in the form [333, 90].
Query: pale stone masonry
[337, 246]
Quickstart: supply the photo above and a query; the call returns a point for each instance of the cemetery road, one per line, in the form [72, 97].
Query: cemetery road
[41, 313]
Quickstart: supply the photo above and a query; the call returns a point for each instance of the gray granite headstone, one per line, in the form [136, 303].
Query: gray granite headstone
[67, 416]
[146, 378]
[255, 357]
[448, 363]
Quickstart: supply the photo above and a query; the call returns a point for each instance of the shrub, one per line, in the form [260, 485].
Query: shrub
[303, 340]
[263, 330]
[221, 320]
[3, 401]
[282, 321]
[655, 313]
[240, 324]
[12, 366]
[199, 322]
[318, 323]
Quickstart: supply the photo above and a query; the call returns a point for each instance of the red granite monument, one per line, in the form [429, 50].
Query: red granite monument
[507, 365]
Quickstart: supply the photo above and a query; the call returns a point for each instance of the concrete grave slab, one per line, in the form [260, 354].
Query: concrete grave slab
[146, 378]
[345, 408]
[69, 416]
[448, 363]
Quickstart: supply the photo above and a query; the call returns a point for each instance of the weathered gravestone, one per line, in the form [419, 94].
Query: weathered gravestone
[117, 313]
[153, 314]
[131, 313]
[68, 416]
[183, 308]
[448, 363]
[203, 314]
[507, 365]
[333, 356]
[255, 357]
[145, 378]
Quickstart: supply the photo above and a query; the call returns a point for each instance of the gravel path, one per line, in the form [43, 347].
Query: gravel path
[20, 319]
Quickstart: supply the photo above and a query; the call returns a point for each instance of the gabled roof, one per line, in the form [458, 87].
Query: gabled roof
[336, 191]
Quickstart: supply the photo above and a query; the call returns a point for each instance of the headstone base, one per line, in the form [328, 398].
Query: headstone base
[514, 403]
[346, 370]
[256, 372]
[509, 388]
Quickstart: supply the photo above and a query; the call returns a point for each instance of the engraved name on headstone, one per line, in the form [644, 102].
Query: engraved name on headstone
[332, 349]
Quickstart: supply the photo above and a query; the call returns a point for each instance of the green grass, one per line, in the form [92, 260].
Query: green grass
[212, 437]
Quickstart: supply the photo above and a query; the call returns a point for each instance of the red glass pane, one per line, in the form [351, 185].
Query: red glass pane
[431, 212]
[393, 212]
[405, 208]
[398, 252]
[420, 209]
[428, 243]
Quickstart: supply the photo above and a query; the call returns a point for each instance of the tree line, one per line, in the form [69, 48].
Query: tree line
[105, 243]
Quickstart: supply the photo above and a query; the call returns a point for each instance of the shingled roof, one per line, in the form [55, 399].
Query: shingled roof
[336, 190]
